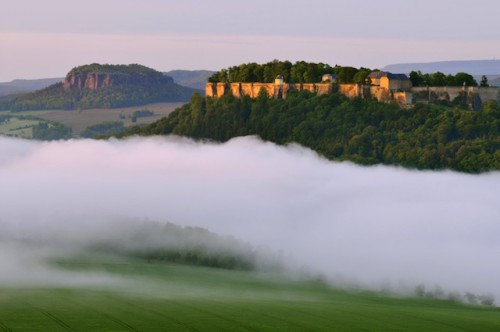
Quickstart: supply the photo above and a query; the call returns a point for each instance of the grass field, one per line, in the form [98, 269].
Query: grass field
[78, 120]
[163, 297]
[18, 127]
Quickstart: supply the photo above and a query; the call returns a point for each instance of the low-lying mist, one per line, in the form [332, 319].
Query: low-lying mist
[373, 226]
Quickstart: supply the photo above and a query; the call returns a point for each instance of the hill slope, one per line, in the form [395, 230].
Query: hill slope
[195, 79]
[149, 296]
[104, 86]
[123, 278]
[25, 86]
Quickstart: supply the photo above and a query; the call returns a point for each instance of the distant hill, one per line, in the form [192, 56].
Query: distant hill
[473, 67]
[25, 86]
[104, 86]
[495, 81]
[195, 79]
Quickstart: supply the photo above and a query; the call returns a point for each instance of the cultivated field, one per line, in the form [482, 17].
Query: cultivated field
[165, 297]
[78, 120]
[18, 127]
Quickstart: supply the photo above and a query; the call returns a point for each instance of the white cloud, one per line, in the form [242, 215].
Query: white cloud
[372, 224]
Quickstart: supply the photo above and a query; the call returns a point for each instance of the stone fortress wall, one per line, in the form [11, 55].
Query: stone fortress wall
[273, 90]
[474, 96]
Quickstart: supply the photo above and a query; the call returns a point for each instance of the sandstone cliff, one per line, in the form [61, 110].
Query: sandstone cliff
[94, 77]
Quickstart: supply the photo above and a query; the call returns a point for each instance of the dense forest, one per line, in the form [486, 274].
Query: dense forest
[440, 79]
[298, 72]
[363, 131]
[132, 69]
[105, 128]
[51, 131]
[133, 85]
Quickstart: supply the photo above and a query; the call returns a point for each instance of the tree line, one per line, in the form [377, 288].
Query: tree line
[298, 72]
[440, 79]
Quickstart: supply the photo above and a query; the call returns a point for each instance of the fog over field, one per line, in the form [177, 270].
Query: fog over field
[368, 225]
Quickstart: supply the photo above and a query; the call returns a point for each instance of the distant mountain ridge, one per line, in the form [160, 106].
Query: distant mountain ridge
[195, 79]
[473, 67]
[24, 86]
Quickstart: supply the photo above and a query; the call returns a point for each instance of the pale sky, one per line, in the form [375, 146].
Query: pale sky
[40, 39]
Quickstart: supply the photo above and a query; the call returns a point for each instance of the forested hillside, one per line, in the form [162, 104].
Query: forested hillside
[363, 131]
[25, 86]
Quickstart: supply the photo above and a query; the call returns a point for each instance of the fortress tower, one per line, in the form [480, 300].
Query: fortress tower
[278, 80]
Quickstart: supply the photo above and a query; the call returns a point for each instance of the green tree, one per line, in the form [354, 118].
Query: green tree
[484, 81]
[464, 78]
[416, 78]
[346, 74]
[361, 76]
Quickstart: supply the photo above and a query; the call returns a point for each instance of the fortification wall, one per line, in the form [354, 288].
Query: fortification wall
[210, 90]
[324, 88]
[309, 87]
[285, 88]
[349, 90]
[403, 98]
[426, 94]
[247, 90]
[235, 89]
[269, 87]
[221, 89]
[489, 93]
[450, 93]
[274, 91]
[473, 96]
[381, 94]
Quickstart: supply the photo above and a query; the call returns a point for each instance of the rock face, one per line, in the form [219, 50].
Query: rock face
[94, 77]
[105, 86]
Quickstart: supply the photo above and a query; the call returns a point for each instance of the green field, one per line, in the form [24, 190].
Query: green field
[78, 120]
[21, 123]
[151, 296]
[18, 127]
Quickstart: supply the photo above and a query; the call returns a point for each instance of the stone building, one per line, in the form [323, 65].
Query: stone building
[390, 81]
[329, 78]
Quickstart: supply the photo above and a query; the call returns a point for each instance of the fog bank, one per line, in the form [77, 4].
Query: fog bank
[371, 225]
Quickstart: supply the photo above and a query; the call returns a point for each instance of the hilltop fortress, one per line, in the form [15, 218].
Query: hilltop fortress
[383, 86]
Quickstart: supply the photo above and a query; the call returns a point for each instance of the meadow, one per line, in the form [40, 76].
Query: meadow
[20, 123]
[19, 127]
[153, 296]
[78, 120]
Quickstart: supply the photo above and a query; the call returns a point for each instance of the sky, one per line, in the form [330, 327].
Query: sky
[41, 39]
[371, 226]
